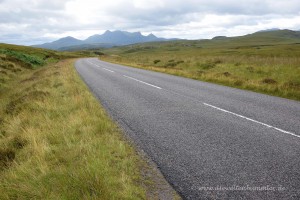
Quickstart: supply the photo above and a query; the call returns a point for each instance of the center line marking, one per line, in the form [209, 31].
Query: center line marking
[252, 120]
[107, 69]
[142, 82]
[99, 66]
[93, 64]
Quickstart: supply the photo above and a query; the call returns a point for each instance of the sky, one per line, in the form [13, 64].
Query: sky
[29, 22]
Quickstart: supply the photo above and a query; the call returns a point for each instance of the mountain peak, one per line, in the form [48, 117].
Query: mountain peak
[151, 35]
[137, 33]
[68, 38]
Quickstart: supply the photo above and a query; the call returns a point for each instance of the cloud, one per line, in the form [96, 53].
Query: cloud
[41, 20]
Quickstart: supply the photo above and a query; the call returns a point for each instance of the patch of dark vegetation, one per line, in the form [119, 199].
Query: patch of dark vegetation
[156, 61]
[207, 65]
[3, 72]
[237, 64]
[7, 66]
[292, 84]
[137, 49]
[56, 73]
[15, 106]
[250, 69]
[261, 72]
[56, 85]
[2, 80]
[132, 50]
[46, 57]
[6, 158]
[269, 81]
[217, 61]
[99, 53]
[2, 133]
[173, 49]
[210, 64]
[226, 74]
[238, 83]
[19, 143]
[200, 72]
[173, 63]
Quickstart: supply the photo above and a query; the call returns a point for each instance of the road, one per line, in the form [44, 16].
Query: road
[209, 141]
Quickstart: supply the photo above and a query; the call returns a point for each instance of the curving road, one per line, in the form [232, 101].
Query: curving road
[209, 141]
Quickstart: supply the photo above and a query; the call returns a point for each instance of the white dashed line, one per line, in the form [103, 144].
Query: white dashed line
[99, 66]
[107, 69]
[92, 63]
[252, 120]
[142, 82]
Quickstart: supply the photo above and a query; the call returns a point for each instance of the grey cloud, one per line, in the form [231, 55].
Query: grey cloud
[176, 12]
[34, 18]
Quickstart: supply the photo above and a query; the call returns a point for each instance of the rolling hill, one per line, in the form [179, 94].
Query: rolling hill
[267, 37]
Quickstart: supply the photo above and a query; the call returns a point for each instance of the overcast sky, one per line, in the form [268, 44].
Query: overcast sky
[36, 21]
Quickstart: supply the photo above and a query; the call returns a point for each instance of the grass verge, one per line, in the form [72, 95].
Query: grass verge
[56, 142]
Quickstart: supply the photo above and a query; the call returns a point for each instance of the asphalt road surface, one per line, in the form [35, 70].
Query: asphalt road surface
[209, 141]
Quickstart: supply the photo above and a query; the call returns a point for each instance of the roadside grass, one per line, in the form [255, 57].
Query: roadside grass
[270, 69]
[56, 142]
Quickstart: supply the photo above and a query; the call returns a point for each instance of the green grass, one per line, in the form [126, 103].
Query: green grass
[56, 142]
[261, 62]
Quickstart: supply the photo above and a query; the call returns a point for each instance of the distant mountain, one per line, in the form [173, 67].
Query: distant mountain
[121, 38]
[107, 39]
[63, 42]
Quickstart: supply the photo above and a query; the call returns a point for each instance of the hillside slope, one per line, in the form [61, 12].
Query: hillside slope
[259, 38]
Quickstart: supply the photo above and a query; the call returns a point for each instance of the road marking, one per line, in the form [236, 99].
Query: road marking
[252, 120]
[99, 66]
[93, 64]
[107, 69]
[142, 82]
